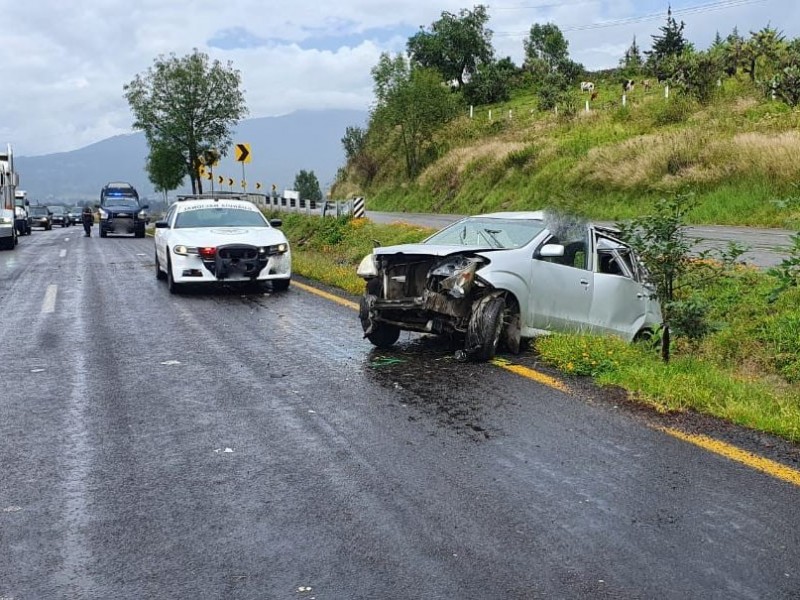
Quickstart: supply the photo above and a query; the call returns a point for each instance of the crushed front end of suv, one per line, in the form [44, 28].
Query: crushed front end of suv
[503, 278]
[218, 239]
[120, 210]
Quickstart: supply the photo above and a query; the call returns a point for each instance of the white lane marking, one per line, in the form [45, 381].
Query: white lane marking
[49, 304]
[63, 252]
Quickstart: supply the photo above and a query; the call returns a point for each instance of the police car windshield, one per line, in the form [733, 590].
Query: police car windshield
[119, 201]
[219, 217]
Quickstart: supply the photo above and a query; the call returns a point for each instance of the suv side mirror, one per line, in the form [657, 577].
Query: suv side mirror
[162, 225]
[145, 207]
[551, 250]
[276, 222]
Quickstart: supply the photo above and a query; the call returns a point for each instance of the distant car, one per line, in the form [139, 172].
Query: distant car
[41, 217]
[74, 213]
[216, 239]
[120, 210]
[502, 278]
[59, 215]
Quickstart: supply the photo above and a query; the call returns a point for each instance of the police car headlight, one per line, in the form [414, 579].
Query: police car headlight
[142, 214]
[274, 249]
[5, 221]
[103, 214]
[184, 250]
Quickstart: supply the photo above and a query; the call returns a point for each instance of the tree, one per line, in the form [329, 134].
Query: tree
[669, 43]
[412, 105]
[695, 74]
[166, 168]
[732, 52]
[632, 61]
[188, 104]
[491, 83]
[762, 52]
[546, 46]
[307, 184]
[455, 45]
[353, 141]
[787, 80]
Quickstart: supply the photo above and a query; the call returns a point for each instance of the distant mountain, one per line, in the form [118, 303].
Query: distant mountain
[280, 148]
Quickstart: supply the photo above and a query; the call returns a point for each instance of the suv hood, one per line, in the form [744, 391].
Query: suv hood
[431, 249]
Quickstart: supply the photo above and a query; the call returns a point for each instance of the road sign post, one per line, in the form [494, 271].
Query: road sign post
[243, 155]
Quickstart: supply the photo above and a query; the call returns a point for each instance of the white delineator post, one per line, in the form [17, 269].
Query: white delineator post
[624, 99]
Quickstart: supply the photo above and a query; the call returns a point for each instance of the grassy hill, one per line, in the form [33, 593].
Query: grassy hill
[739, 155]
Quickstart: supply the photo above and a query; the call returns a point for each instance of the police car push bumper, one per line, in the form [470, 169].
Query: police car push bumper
[231, 262]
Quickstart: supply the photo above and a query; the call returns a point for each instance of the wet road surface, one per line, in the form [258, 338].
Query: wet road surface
[240, 445]
[765, 247]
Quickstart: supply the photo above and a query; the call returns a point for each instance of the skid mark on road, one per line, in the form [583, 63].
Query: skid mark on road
[49, 303]
[753, 461]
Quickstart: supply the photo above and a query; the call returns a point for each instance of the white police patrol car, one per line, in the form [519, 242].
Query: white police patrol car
[221, 238]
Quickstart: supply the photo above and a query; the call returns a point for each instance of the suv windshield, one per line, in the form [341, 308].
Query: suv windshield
[488, 233]
[219, 217]
[56, 210]
[39, 211]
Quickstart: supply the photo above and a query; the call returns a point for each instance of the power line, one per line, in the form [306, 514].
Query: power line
[691, 10]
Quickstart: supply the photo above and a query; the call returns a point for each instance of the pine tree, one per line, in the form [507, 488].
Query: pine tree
[668, 44]
[632, 61]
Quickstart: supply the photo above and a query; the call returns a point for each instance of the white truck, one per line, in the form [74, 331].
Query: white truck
[22, 212]
[9, 181]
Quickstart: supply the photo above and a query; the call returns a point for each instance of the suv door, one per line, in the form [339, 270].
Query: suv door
[562, 287]
[621, 301]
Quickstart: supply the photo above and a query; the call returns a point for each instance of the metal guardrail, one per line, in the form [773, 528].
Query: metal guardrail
[355, 207]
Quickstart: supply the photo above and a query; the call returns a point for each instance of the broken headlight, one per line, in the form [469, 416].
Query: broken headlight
[458, 275]
[368, 267]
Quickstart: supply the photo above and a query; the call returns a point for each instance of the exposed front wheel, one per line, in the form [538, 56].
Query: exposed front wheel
[103, 233]
[139, 233]
[381, 335]
[485, 328]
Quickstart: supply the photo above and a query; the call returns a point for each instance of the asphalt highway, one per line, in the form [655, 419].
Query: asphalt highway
[233, 444]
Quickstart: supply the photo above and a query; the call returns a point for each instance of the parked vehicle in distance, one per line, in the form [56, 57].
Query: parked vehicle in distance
[503, 278]
[41, 217]
[9, 180]
[59, 215]
[120, 210]
[74, 214]
[220, 238]
[22, 217]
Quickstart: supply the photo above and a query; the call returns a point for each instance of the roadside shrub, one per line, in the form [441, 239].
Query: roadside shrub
[689, 318]
[673, 111]
[584, 354]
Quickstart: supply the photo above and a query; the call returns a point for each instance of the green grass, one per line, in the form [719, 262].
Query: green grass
[739, 155]
[747, 371]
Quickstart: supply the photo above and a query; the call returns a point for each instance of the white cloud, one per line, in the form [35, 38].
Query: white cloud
[65, 63]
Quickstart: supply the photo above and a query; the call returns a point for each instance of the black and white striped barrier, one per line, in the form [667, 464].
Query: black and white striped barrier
[359, 209]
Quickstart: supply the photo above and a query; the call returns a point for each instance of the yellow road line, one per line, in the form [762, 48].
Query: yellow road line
[529, 373]
[326, 295]
[503, 364]
[753, 461]
[749, 459]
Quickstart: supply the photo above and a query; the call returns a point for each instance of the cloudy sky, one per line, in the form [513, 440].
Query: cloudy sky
[64, 63]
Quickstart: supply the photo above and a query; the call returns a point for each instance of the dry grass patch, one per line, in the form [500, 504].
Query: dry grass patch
[691, 156]
[457, 160]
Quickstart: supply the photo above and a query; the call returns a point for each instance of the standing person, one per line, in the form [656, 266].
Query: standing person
[87, 218]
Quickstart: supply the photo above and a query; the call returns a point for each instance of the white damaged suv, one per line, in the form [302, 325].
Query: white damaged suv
[503, 278]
